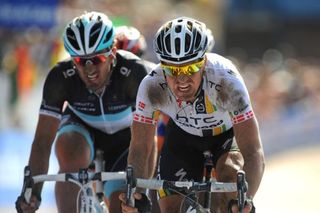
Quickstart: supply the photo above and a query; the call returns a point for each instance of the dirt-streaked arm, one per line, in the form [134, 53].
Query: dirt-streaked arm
[249, 143]
[142, 151]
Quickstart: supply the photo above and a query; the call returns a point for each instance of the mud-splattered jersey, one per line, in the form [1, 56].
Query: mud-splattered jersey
[109, 112]
[222, 100]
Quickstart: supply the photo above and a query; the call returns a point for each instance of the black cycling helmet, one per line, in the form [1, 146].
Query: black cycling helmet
[89, 34]
[181, 40]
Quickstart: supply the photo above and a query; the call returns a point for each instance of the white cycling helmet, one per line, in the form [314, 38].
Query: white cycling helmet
[210, 40]
[129, 38]
[181, 40]
[89, 34]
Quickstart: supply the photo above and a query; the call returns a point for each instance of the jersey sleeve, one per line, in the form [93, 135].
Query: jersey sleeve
[54, 93]
[145, 111]
[236, 95]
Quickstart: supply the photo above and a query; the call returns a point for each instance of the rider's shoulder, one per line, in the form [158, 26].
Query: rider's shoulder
[62, 70]
[155, 77]
[126, 55]
[126, 60]
[221, 66]
[149, 65]
[219, 60]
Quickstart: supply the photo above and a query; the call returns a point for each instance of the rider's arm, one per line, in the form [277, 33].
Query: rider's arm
[53, 96]
[41, 147]
[142, 151]
[248, 140]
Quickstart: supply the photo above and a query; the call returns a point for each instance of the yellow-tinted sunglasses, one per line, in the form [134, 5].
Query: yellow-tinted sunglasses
[186, 70]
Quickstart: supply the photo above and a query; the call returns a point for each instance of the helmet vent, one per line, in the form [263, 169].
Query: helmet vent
[72, 39]
[188, 42]
[189, 25]
[198, 40]
[81, 31]
[94, 33]
[178, 29]
[168, 27]
[159, 44]
[108, 36]
[167, 44]
[177, 45]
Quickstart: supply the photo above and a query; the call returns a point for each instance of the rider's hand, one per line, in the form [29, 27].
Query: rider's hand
[248, 208]
[23, 207]
[142, 203]
[124, 207]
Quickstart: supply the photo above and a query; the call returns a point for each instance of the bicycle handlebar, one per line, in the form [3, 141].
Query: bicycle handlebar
[83, 177]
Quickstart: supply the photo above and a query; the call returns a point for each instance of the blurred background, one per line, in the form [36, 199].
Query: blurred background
[274, 43]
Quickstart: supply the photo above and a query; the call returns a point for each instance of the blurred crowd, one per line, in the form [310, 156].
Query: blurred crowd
[281, 88]
[24, 61]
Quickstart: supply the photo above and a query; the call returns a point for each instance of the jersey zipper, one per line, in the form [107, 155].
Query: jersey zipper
[102, 109]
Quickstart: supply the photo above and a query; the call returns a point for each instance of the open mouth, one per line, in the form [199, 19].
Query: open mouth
[93, 76]
[183, 88]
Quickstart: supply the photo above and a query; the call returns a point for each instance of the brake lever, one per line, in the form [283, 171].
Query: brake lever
[27, 184]
[242, 188]
[130, 186]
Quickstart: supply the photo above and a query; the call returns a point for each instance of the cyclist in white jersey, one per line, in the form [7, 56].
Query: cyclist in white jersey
[209, 108]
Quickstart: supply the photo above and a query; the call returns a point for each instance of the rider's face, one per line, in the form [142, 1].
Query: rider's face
[185, 86]
[95, 71]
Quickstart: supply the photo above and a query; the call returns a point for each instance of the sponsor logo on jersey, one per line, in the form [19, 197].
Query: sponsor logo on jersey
[237, 112]
[198, 122]
[231, 72]
[152, 73]
[200, 104]
[214, 85]
[125, 71]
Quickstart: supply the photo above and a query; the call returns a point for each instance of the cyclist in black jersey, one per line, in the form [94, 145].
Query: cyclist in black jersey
[209, 108]
[87, 104]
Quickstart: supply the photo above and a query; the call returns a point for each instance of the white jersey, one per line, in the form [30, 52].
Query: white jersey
[222, 101]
